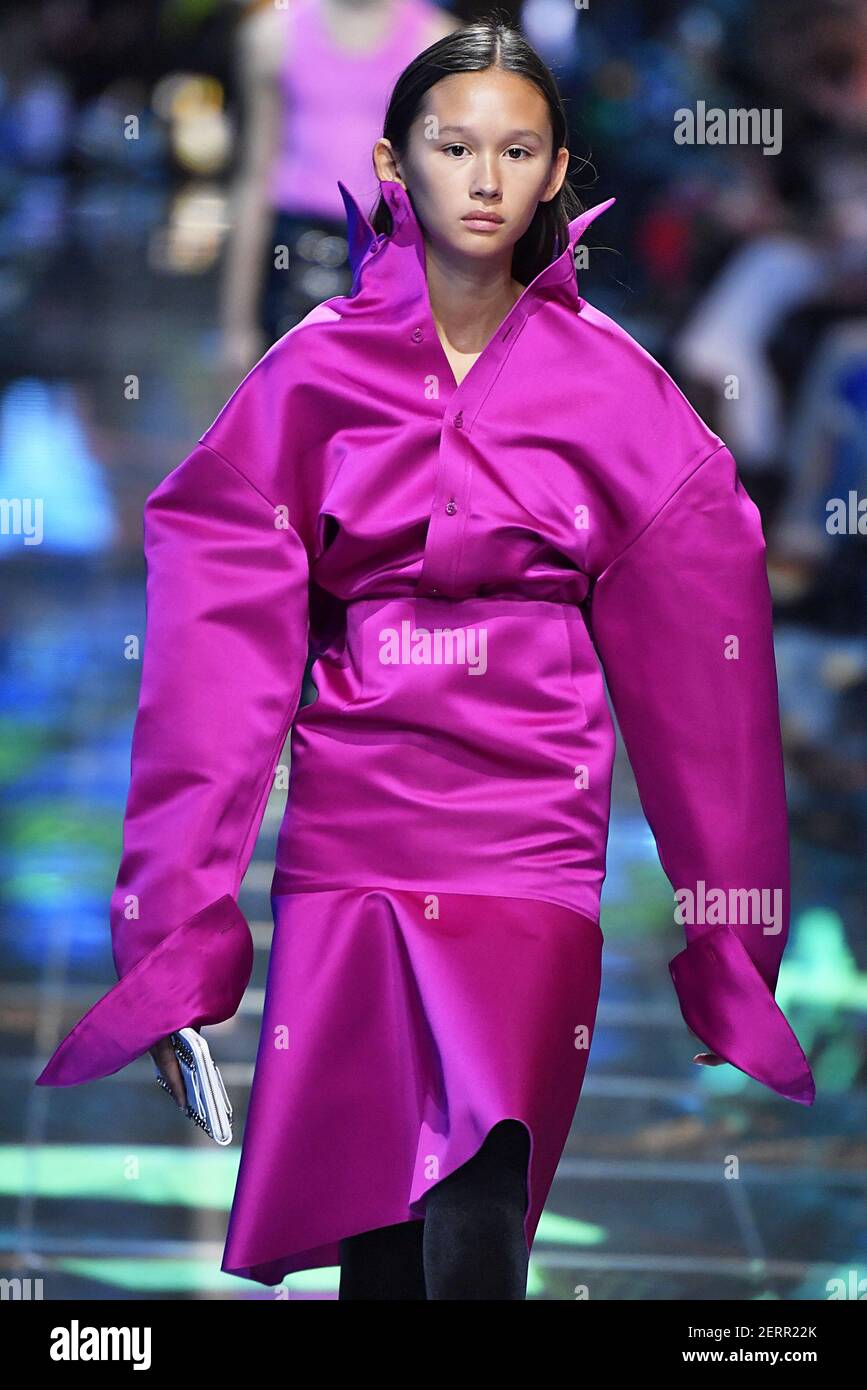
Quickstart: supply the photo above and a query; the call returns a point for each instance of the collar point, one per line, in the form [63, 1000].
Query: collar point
[579, 224]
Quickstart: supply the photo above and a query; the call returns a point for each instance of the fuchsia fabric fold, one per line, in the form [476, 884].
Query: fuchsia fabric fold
[196, 975]
[718, 986]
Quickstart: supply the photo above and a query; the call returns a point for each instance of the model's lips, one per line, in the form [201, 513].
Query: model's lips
[482, 221]
[492, 217]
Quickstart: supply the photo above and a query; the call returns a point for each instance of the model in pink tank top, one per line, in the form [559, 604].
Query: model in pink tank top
[333, 104]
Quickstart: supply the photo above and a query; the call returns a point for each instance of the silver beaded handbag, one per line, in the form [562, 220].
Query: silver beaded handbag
[208, 1104]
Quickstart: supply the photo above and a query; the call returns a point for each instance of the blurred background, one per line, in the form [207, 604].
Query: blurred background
[153, 153]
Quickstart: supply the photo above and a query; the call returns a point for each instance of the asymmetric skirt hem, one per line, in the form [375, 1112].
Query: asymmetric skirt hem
[273, 1271]
[400, 1026]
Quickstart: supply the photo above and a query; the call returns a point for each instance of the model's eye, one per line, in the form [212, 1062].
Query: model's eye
[462, 148]
[517, 149]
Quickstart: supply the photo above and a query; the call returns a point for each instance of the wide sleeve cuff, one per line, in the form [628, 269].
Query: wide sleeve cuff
[727, 1003]
[196, 975]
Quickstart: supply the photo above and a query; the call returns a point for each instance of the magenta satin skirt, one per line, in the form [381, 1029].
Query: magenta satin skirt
[436, 959]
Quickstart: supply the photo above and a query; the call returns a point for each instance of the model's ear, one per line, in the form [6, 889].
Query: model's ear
[359, 232]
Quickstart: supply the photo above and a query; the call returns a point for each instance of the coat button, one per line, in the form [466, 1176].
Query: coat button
[459, 419]
[417, 335]
[451, 506]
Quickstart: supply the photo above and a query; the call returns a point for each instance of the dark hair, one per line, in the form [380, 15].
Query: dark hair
[487, 44]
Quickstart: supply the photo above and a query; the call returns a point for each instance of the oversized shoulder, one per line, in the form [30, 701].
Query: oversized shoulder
[641, 402]
[276, 410]
[269, 435]
[636, 427]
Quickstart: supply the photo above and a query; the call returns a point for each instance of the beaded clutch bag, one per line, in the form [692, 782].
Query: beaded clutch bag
[208, 1104]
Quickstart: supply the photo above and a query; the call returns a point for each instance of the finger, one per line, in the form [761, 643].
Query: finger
[164, 1056]
[176, 1080]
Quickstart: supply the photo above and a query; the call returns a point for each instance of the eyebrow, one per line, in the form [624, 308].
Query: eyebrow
[510, 134]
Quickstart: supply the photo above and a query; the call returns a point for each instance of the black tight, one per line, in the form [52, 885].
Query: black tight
[471, 1243]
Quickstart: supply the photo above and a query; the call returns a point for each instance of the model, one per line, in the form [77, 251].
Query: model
[474, 495]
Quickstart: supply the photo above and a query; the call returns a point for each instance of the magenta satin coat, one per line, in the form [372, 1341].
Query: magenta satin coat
[465, 560]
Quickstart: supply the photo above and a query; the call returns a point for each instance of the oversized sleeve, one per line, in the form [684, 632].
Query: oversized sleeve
[225, 649]
[681, 620]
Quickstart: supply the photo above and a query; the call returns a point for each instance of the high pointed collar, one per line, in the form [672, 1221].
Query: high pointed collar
[406, 231]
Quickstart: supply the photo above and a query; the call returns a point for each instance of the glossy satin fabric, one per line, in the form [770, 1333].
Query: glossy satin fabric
[466, 561]
[473, 770]
[416, 1021]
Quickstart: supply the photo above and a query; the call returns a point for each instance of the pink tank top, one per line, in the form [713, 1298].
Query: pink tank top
[333, 106]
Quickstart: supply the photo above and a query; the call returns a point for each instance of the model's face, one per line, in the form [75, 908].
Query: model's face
[480, 144]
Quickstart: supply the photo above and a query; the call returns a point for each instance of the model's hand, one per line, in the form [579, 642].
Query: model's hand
[163, 1054]
[706, 1059]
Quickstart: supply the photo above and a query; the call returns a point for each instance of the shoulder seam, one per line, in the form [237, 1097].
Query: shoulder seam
[290, 527]
[685, 473]
[236, 469]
